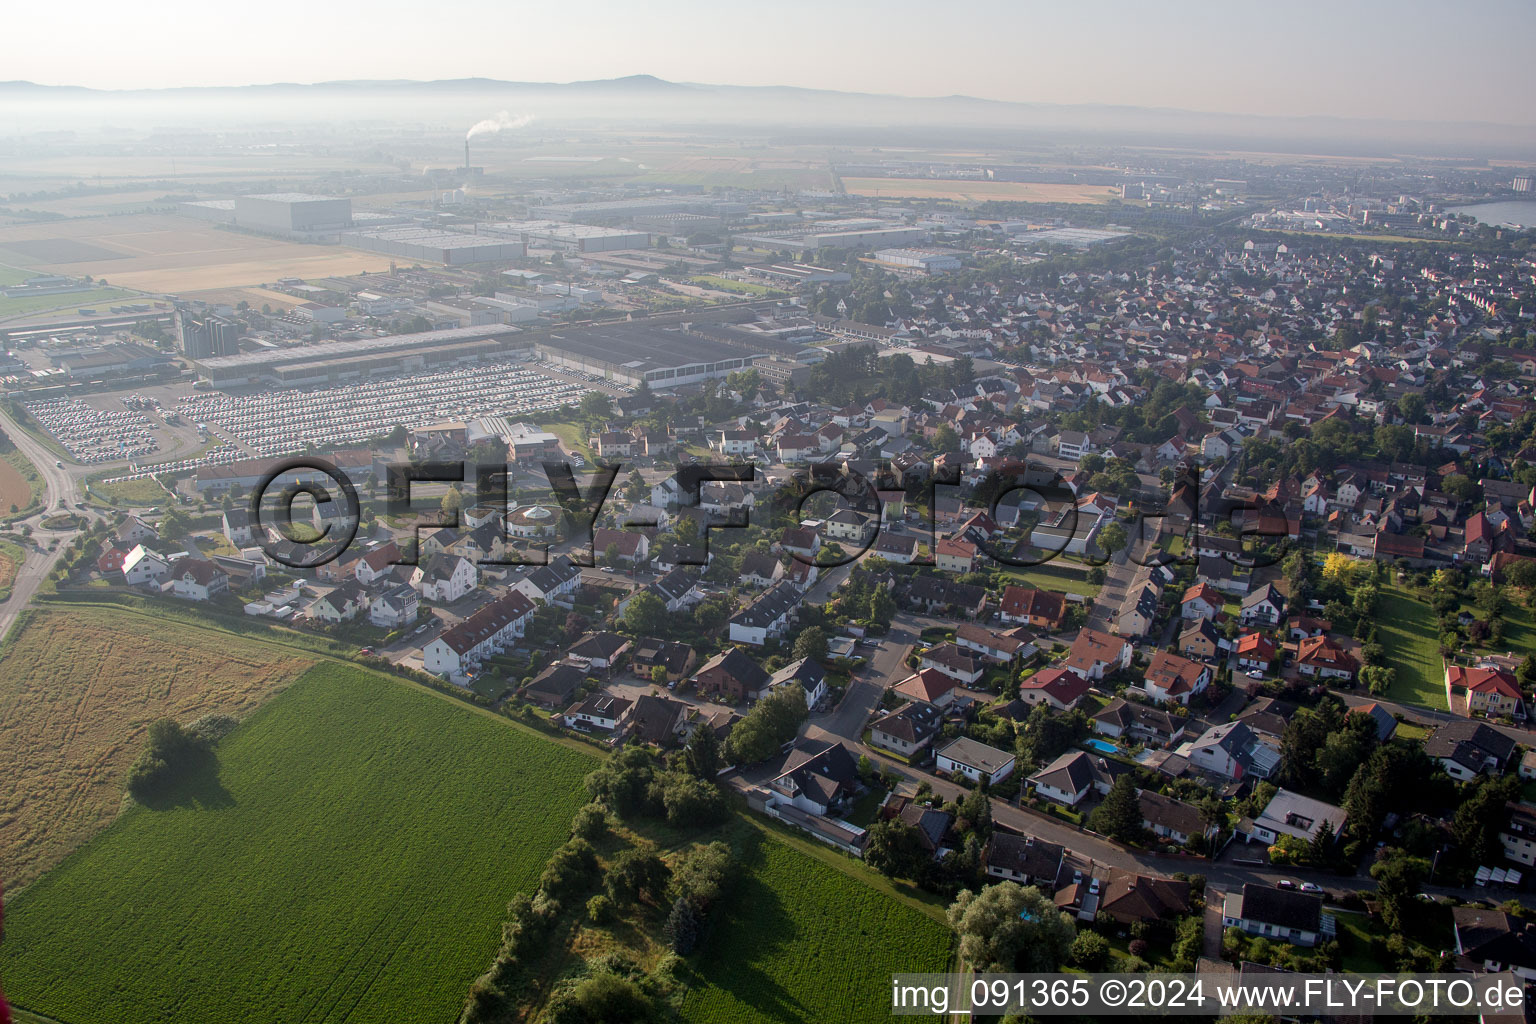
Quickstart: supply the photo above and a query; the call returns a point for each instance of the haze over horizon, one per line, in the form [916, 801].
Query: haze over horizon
[1362, 60]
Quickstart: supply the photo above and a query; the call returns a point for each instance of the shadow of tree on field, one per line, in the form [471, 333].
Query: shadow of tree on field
[197, 786]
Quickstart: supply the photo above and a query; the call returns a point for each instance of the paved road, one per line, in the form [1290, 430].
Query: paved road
[62, 491]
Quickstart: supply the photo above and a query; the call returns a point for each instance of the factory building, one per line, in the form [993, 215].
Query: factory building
[929, 261]
[450, 248]
[339, 361]
[211, 336]
[551, 234]
[293, 213]
[803, 241]
[662, 356]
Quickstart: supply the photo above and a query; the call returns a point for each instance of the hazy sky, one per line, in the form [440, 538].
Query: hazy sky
[1467, 60]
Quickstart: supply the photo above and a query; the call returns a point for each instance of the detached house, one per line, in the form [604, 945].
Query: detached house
[445, 578]
[196, 579]
[1295, 917]
[1487, 691]
[908, 729]
[1172, 678]
[1264, 606]
[1095, 654]
[767, 616]
[343, 604]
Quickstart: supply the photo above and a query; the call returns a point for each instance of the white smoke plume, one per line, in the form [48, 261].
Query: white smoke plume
[502, 122]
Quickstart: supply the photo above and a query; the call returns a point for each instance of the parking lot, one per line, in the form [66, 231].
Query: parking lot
[281, 422]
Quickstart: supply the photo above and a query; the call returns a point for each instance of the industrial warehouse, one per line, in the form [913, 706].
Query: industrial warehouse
[365, 357]
[662, 356]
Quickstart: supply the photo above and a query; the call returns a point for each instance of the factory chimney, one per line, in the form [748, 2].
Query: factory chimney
[466, 156]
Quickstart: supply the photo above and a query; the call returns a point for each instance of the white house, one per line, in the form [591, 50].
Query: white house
[196, 579]
[976, 761]
[143, 566]
[767, 616]
[445, 578]
[489, 631]
[396, 607]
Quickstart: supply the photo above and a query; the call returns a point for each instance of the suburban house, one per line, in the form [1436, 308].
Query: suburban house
[932, 824]
[556, 685]
[601, 711]
[396, 608]
[343, 604]
[974, 760]
[445, 578]
[1264, 606]
[1468, 749]
[1172, 819]
[674, 658]
[1023, 859]
[1221, 750]
[377, 563]
[956, 556]
[1059, 687]
[599, 650]
[816, 778]
[1200, 601]
[733, 675]
[630, 546]
[1174, 678]
[236, 526]
[1291, 814]
[1002, 648]
[1320, 657]
[1042, 609]
[928, 685]
[767, 616]
[808, 673]
[961, 666]
[1067, 780]
[462, 646]
[1095, 654]
[1487, 691]
[1201, 639]
[759, 569]
[678, 590]
[1138, 723]
[1295, 917]
[908, 729]
[1493, 942]
[196, 579]
[1255, 652]
[551, 582]
[142, 566]
[1129, 898]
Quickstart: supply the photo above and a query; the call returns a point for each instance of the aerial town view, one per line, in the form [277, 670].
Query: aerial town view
[495, 529]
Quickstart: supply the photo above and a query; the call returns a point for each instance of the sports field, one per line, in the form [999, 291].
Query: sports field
[165, 253]
[801, 941]
[79, 688]
[351, 861]
[977, 191]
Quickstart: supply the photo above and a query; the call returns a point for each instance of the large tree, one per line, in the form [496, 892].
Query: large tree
[895, 849]
[1008, 927]
[1119, 814]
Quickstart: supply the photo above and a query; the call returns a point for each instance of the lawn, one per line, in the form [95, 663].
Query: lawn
[1407, 631]
[572, 437]
[351, 861]
[1052, 577]
[799, 940]
[80, 686]
[133, 493]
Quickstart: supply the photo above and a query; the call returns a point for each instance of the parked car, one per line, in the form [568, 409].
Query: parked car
[1311, 887]
[1285, 883]
[1254, 673]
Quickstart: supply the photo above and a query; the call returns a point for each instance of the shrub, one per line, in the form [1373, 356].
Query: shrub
[600, 909]
[1090, 951]
[1138, 948]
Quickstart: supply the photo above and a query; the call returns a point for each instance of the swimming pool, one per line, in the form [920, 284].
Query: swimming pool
[1101, 746]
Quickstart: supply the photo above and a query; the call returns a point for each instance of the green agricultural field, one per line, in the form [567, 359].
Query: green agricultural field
[351, 861]
[14, 275]
[131, 493]
[726, 284]
[1407, 631]
[65, 300]
[802, 941]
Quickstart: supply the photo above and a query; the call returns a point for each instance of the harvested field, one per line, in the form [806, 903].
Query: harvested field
[978, 191]
[257, 297]
[15, 486]
[11, 558]
[79, 689]
[164, 253]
